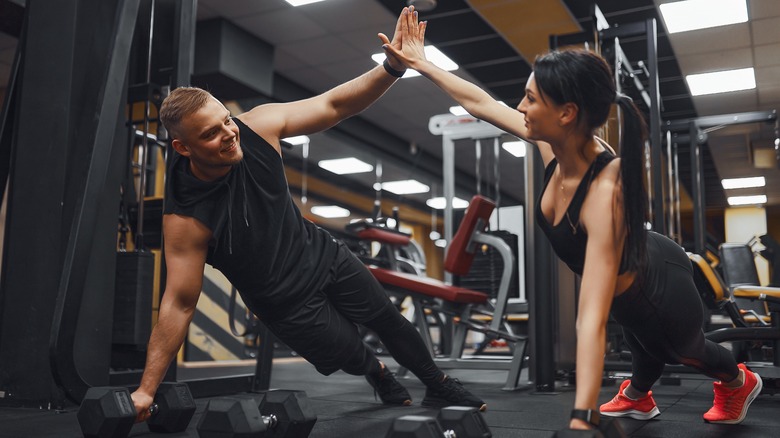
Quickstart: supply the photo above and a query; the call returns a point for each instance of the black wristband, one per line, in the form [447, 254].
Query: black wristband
[588, 415]
[391, 71]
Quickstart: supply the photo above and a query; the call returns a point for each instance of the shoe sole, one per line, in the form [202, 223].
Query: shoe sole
[752, 396]
[636, 415]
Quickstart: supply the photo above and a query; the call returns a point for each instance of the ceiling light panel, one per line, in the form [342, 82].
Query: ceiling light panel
[433, 54]
[329, 211]
[405, 187]
[690, 15]
[345, 166]
[302, 2]
[743, 183]
[746, 200]
[721, 81]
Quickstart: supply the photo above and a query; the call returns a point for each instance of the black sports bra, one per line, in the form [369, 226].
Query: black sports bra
[567, 237]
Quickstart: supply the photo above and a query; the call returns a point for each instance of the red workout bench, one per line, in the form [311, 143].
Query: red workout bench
[459, 304]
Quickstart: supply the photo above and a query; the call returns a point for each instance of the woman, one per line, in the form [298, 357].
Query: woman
[593, 208]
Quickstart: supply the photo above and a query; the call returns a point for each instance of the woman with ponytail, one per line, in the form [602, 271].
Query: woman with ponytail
[593, 209]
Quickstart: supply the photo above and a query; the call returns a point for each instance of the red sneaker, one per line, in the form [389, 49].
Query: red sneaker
[731, 404]
[622, 406]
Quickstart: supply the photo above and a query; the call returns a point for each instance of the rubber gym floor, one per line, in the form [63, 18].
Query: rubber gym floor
[346, 408]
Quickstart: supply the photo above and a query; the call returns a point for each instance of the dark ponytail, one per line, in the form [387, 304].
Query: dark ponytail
[635, 200]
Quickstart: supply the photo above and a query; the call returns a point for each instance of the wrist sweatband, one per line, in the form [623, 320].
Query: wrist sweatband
[391, 71]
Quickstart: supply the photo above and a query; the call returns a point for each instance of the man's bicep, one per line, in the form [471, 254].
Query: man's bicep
[186, 244]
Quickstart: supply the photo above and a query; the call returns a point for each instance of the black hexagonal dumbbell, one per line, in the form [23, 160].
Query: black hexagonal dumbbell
[277, 413]
[452, 422]
[108, 412]
[172, 409]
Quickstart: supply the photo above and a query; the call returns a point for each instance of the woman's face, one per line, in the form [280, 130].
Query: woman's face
[541, 116]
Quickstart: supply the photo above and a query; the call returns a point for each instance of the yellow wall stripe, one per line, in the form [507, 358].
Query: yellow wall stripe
[200, 339]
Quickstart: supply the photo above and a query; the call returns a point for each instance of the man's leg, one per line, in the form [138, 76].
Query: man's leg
[358, 296]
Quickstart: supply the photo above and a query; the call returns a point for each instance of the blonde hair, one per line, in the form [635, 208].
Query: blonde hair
[182, 102]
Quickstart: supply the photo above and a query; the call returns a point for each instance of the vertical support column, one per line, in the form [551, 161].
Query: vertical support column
[33, 242]
[61, 221]
[183, 42]
[539, 282]
[448, 173]
[697, 184]
[656, 151]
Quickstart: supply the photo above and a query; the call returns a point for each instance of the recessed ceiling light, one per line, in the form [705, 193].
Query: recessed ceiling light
[439, 203]
[516, 148]
[458, 110]
[405, 187]
[721, 81]
[297, 140]
[433, 54]
[746, 200]
[743, 183]
[329, 211]
[302, 2]
[701, 14]
[344, 166]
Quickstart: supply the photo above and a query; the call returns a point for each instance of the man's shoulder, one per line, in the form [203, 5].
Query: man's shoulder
[264, 123]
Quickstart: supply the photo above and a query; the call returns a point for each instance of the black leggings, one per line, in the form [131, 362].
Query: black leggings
[322, 329]
[662, 319]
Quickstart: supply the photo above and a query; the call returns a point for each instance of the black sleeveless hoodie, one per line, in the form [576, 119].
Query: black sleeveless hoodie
[261, 242]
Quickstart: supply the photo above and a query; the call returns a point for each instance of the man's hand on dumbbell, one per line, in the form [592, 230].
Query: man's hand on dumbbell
[143, 404]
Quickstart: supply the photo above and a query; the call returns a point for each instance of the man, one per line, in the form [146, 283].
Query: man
[228, 204]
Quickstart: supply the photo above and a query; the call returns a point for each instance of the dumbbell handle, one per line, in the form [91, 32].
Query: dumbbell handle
[154, 409]
[270, 421]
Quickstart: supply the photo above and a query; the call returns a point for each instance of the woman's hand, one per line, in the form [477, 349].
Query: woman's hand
[412, 49]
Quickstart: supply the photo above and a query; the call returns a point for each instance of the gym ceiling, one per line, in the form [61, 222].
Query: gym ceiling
[321, 45]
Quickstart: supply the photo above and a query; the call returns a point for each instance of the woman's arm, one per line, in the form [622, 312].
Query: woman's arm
[472, 98]
[602, 218]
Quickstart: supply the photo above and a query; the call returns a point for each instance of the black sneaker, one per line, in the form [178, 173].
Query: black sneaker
[451, 392]
[388, 389]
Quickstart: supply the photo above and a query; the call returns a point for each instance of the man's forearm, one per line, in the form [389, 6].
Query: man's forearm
[352, 97]
[167, 337]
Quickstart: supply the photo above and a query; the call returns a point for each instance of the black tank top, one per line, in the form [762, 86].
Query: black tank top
[567, 238]
[261, 242]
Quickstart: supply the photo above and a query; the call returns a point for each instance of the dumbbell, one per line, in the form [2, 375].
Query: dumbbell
[277, 413]
[451, 422]
[608, 428]
[108, 412]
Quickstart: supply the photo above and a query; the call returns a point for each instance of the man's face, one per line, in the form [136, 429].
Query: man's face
[210, 139]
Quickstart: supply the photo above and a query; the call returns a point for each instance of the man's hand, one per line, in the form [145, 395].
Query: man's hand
[142, 402]
[413, 37]
[397, 37]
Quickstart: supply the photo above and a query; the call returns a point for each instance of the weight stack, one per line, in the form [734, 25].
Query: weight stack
[485, 273]
[133, 299]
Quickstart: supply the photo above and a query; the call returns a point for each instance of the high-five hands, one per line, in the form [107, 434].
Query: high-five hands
[397, 41]
[412, 49]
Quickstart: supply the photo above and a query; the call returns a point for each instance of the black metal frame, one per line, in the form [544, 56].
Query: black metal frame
[651, 94]
[696, 137]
